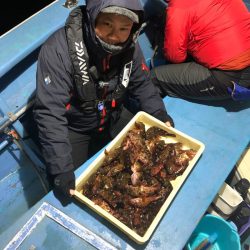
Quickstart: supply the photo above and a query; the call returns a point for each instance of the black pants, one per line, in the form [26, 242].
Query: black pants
[85, 145]
[193, 81]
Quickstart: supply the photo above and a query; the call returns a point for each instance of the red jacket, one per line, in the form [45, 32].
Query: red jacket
[211, 31]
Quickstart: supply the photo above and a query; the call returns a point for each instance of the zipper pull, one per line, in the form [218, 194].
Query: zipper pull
[104, 112]
[113, 103]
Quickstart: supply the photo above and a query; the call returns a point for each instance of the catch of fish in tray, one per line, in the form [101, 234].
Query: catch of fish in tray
[133, 181]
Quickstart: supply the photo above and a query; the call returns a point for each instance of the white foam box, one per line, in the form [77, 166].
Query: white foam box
[227, 200]
[188, 143]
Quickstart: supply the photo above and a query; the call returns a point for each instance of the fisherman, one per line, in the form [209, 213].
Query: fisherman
[86, 71]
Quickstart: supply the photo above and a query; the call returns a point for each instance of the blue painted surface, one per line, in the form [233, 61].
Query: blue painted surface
[31, 34]
[224, 129]
[19, 180]
[19, 187]
[221, 153]
[19, 50]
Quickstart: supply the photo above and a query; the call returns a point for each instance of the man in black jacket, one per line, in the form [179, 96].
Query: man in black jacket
[86, 70]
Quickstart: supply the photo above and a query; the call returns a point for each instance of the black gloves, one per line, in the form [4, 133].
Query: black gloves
[169, 119]
[164, 117]
[64, 182]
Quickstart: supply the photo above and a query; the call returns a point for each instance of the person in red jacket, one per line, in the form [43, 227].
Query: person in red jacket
[207, 45]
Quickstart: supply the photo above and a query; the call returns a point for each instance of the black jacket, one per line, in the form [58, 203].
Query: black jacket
[55, 88]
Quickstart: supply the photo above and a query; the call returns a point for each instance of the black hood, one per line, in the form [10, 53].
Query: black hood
[93, 8]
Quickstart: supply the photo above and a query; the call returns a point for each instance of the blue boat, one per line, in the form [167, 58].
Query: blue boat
[30, 215]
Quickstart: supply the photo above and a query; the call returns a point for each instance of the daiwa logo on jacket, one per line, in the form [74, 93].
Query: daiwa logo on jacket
[82, 62]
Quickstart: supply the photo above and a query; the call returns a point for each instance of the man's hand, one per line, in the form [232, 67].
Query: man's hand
[65, 183]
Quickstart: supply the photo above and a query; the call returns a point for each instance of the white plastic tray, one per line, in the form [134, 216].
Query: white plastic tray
[188, 143]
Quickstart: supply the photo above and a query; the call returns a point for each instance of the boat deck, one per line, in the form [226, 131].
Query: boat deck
[28, 224]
